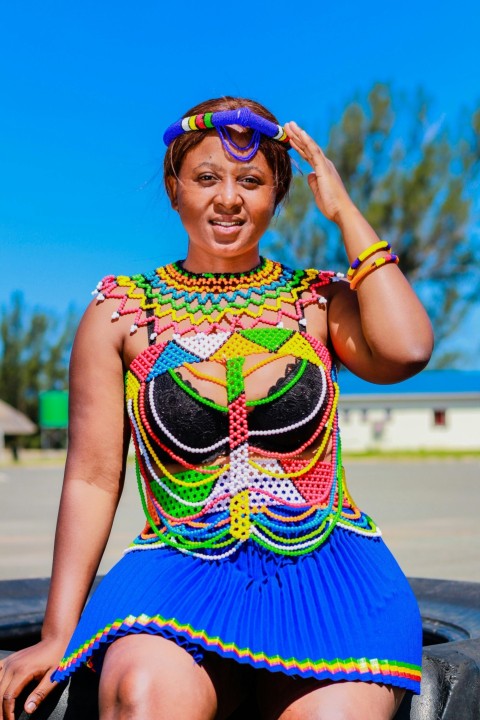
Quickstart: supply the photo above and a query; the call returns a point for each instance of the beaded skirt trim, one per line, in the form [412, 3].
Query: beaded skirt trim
[348, 666]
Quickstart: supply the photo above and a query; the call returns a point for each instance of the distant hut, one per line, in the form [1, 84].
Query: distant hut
[13, 422]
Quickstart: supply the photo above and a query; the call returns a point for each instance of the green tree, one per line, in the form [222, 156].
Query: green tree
[414, 180]
[34, 350]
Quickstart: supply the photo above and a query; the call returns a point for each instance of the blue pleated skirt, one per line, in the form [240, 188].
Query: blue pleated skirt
[342, 612]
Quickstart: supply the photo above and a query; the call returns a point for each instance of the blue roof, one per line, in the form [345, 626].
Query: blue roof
[428, 381]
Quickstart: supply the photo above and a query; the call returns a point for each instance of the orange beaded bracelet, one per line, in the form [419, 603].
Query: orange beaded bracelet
[368, 252]
[379, 262]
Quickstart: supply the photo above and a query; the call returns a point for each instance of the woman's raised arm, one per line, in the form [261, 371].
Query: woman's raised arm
[380, 331]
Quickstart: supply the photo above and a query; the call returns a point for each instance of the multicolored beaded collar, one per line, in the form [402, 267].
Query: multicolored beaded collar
[221, 120]
[241, 298]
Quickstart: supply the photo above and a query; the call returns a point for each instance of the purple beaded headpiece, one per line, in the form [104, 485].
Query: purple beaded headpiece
[220, 122]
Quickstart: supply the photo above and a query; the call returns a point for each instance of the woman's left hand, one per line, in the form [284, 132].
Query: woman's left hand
[325, 183]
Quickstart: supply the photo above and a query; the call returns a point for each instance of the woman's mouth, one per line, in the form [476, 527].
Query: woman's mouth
[226, 228]
[227, 223]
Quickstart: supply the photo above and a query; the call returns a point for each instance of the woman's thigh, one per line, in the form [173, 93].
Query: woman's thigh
[283, 697]
[149, 676]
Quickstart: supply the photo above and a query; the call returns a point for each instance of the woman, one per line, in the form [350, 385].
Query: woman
[256, 572]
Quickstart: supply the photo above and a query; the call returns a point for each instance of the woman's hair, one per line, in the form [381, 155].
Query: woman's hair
[275, 153]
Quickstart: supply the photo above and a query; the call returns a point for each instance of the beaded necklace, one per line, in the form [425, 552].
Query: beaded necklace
[177, 294]
[278, 499]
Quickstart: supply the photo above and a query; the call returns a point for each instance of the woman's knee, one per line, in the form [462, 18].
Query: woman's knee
[341, 701]
[130, 689]
[139, 677]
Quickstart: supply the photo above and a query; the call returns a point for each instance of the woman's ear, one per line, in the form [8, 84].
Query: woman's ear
[172, 191]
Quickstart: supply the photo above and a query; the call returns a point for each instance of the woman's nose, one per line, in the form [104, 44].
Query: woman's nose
[228, 195]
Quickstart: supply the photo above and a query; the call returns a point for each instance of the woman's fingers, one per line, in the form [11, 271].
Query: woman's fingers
[305, 145]
[10, 689]
[312, 181]
[5, 698]
[44, 687]
[325, 183]
[14, 689]
[16, 672]
[298, 148]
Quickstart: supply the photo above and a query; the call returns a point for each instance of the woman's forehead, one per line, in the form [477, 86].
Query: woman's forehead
[210, 150]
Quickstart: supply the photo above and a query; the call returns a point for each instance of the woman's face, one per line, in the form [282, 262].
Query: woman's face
[225, 205]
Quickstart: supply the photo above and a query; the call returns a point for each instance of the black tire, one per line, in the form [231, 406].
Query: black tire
[451, 656]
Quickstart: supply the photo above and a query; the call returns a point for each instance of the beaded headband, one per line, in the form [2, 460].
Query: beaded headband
[220, 120]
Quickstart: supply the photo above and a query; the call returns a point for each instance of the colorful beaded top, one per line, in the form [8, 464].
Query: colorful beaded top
[217, 469]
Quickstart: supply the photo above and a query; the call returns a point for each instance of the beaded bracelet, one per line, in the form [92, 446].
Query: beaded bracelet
[385, 260]
[380, 245]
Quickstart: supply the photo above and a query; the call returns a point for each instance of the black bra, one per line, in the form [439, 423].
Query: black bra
[196, 424]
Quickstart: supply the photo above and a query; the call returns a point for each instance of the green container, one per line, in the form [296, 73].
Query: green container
[53, 410]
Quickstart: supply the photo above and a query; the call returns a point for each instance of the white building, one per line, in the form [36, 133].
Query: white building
[435, 410]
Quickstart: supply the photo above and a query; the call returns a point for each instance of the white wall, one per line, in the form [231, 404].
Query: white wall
[410, 429]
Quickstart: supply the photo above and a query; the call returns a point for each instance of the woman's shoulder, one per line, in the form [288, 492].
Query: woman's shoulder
[113, 285]
[311, 278]
[134, 295]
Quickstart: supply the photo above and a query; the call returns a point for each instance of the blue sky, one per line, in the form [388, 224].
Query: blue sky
[88, 88]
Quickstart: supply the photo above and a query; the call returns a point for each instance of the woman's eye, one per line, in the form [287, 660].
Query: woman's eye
[206, 177]
[250, 180]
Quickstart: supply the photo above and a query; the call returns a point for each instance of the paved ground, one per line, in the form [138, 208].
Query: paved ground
[428, 511]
